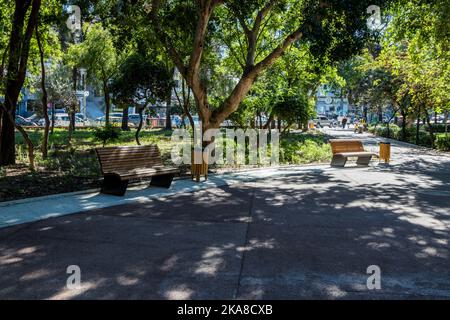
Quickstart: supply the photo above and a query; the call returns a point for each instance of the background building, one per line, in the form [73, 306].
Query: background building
[331, 102]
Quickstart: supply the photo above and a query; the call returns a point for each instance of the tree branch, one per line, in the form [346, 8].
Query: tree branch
[232, 102]
[165, 39]
[32, 21]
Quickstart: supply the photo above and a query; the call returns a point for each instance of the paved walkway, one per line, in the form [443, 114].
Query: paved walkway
[279, 234]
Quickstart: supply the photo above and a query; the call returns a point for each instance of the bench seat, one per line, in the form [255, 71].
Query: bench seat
[145, 172]
[343, 149]
[356, 154]
[119, 165]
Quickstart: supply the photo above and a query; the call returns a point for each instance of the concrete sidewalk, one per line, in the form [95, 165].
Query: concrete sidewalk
[34, 209]
[288, 233]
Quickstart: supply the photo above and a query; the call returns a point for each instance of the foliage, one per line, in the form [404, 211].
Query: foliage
[141, 80]
[108, 133]
[396, 133]
[293, 109]
[304, 148]
[443, 142]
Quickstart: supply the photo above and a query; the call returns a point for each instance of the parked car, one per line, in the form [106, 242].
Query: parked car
[33, 118]
[196, 120]
[227, 124]
[323, 121]
[62, 120]
[25, 122]
[114, 117]
[81, 116]
[135, 119]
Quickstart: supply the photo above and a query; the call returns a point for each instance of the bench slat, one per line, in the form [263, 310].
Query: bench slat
[344, 145]
[129, 159]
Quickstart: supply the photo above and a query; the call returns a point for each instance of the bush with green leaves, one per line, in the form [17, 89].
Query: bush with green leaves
[394, 131]
[438, 128]
[304, 148]
[106, 134]
[443, 142]
[293, 109]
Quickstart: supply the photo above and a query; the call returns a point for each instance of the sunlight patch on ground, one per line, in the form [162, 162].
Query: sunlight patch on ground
[182, 292]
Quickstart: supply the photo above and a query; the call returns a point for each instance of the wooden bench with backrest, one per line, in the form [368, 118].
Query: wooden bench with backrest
[343, 149]
[119, 165]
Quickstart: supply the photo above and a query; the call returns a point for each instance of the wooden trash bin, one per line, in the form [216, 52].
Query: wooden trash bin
[385, 151]
[198, 170]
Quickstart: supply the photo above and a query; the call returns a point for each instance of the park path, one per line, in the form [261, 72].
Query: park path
[283, 233]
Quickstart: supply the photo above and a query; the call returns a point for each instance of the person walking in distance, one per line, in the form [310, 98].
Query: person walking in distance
[344, 122]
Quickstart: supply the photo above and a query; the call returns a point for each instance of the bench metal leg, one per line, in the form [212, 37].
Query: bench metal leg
[114, 185]
[162, 181]
[338, 161]
[363, 161]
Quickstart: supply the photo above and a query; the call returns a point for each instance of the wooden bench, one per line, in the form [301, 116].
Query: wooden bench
[119, 165]
[343, 149]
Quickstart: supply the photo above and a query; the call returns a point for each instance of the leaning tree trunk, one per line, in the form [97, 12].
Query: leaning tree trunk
[44, 145]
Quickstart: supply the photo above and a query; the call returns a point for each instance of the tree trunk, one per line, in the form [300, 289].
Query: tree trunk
[44, 145]
[19, 47]
[430, 128]
[269, 121]
[53, 118]
[418, 126]
[71, 126]
[445, 121]
[7, 143]
[141, 121]
[404, 115]
[107, 101]
[125, 126]
[71, 111]
[365, 114]
[11, 120]
[380, 114]
[168, 112]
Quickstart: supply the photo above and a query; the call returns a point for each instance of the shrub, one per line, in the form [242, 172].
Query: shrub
[298, 149]
[106, 134]
[382, 131]
[443, 142]
[438, 128]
